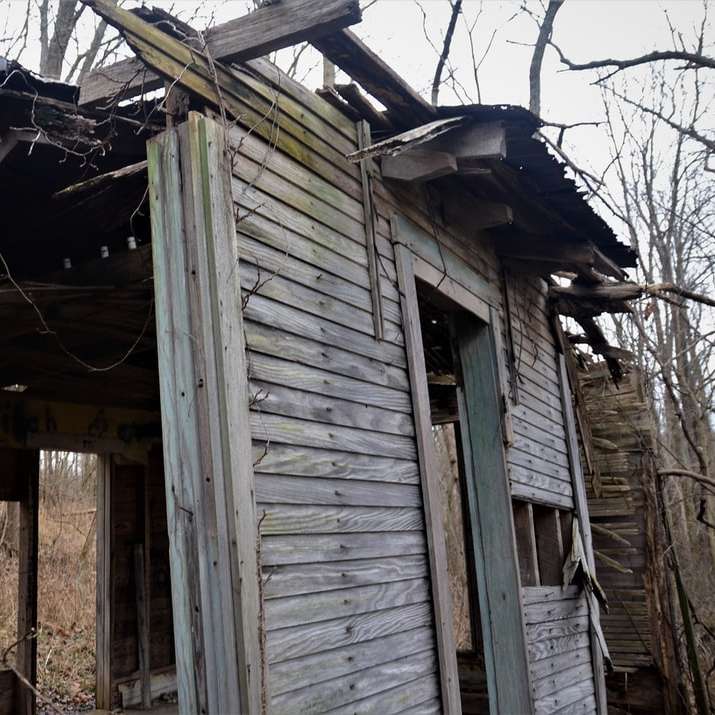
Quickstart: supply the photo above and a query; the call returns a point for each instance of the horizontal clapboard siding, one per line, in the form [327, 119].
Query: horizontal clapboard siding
[538, 457]
[347, 597]
[344, 554]
[557, 633]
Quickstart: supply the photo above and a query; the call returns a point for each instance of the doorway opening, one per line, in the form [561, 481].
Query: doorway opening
[66, 572]
[437, 317]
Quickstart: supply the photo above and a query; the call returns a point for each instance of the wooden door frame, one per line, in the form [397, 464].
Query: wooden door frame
[502, 688]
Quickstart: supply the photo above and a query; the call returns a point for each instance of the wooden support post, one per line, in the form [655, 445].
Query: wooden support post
[206, 430]
[492, 521]
[526, 544]
[363, 132]
[142, 601]
[442, 604]
[581, 504]
[28, 465]
[104, 583]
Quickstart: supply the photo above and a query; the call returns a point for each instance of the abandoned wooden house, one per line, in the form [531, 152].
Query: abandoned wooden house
[316, 346]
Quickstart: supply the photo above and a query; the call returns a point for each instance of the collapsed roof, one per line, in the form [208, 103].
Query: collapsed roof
[85, 183]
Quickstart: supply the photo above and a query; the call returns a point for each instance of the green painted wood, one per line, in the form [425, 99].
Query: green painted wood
[492, 522]
[207, 447]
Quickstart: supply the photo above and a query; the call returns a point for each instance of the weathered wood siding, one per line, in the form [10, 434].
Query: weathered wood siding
[538, 457]
[557, 632]
[128, 490]
[348, 609]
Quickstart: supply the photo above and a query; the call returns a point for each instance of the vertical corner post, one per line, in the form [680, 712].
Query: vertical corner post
[364, 140]
[104, 583]
[28, 466]
[205, 421]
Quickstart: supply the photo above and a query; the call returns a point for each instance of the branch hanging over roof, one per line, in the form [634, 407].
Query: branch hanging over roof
[254, 35]
[347, 51]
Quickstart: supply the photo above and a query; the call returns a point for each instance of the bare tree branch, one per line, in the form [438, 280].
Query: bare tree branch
[693, 60]
[456, 9]
[545, 31]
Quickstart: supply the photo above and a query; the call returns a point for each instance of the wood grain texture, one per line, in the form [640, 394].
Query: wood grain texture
[297, 579]
[205, 420]
[313, 608]
[316, 548]
[333, 464]
[300, 640]
[383, 681]
[315, 519]
[305, 671]
[446, 648]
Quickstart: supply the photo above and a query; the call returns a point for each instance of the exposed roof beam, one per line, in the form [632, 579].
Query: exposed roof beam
[270, 28]
[347, 51]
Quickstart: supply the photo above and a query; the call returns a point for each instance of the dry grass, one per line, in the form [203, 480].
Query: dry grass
[66, 593]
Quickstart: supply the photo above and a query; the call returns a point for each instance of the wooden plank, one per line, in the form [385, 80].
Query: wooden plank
[581, 505]
[254, 35]
[363, 133]
[297, 579]
[307, 461]
[307, 670]
[549, 545]
[28, 466]
[264, 339]
[559, 681]
[549, 666]
[326, 332]
[570, 694]
[446, 649]
[550, 593]
[553, 611]
[270, 261]
[559, 628]
[287, 643]
[526, 544]
[143, 625]
[492, 521]
[306, 490]
[553, 646]
[275, 286]
[161, 684]
[326, 606]
[279, 372]
[317, 548]
[331, 695]
[310, 519]
[207, 450]
[103, 652]
[281, 400]
[346, 51]
[540, 495]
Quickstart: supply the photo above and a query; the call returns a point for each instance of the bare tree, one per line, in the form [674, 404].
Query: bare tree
[546, 28]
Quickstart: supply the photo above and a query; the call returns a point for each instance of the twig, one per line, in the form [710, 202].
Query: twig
[29, 635]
